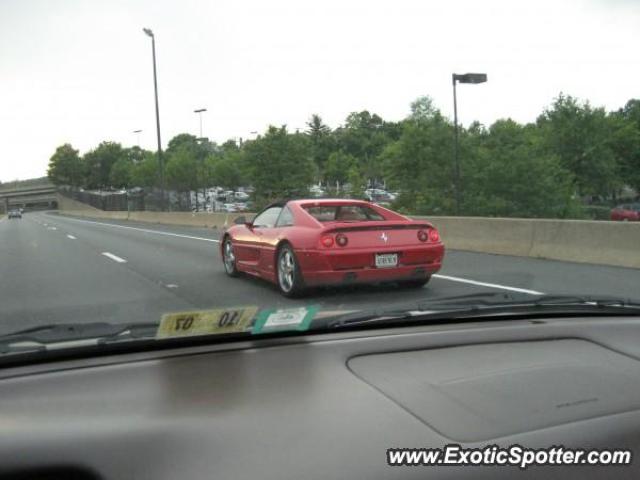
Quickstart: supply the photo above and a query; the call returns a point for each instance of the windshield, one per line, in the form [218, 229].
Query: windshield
[174, 169]
[346, 212]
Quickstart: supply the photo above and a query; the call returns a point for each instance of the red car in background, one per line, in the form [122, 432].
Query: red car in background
[629, 212]
[303, 243]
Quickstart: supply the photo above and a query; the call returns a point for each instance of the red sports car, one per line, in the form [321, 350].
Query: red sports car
[304, 243]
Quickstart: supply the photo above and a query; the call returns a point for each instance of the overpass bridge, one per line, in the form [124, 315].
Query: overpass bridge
[29, 198]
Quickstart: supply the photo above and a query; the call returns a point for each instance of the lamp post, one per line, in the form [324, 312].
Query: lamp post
[149, 33]
[137, 132]
[464, 78]
[199, 112]
[201, 155]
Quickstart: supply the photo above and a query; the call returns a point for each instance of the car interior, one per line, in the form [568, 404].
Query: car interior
[328, 405]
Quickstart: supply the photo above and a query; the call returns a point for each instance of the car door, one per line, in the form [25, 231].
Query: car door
[247, 239]
[271, 235]
[253, 244]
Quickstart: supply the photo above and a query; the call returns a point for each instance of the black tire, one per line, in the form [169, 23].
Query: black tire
[229, 263]
[288, 276]
[416, 282]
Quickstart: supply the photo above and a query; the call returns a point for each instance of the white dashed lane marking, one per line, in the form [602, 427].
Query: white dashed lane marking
[113, 257]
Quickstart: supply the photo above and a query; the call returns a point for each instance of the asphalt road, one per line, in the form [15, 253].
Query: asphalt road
[57, 269]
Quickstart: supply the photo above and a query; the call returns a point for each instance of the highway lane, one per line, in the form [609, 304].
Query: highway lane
[60, 269]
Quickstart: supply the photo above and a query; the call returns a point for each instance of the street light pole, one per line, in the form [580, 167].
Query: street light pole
[199, 112]
[456, 180]
[137, 132]
[465, 78]
[155, 87]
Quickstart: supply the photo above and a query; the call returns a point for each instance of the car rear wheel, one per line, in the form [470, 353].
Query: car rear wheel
[229, 258]
[416, 282]
[289, 277]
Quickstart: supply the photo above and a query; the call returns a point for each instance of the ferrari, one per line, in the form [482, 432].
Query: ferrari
[306, 243]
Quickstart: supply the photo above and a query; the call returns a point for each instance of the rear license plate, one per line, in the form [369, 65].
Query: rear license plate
[386, 260]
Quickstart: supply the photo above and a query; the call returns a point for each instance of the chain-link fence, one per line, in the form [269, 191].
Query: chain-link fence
[136, 199]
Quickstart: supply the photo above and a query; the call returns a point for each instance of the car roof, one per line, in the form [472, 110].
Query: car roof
[329, 201]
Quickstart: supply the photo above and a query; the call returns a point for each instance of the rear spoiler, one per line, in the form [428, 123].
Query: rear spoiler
[368, 226]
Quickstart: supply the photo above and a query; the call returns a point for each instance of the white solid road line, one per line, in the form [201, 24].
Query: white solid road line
[157, 232]
[490, 285]
[113, 257]
[71, 237]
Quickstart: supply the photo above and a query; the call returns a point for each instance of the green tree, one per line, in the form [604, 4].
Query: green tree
[422, 109]
[182, 141]
[581, 137]
[227, 170]
[337, 167]
[65, 166]
[420, 165]
[511, 176]
[181, 169]
[364, 136]
[626, 142]
[356, 180]
[185, 144]
[322, 140]
[135, 154]
[146, 172]
[279, 164]
[121, 173]
[99, 161]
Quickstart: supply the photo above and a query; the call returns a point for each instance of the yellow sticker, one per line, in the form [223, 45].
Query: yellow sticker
[206, 322]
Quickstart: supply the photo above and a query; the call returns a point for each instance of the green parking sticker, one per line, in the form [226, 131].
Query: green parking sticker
[273, 320]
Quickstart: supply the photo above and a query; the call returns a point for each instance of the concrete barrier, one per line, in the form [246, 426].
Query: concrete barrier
[597, 242]
[201, 219]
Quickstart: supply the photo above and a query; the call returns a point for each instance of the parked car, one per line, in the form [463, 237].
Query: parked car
[629, 212]
[379, 195]
[317, 191]
[15, 213]
[242, 196]
[229, 208]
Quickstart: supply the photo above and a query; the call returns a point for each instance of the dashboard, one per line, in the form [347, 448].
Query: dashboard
[330, 405]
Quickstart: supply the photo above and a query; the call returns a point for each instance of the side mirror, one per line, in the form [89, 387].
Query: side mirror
[241, 220]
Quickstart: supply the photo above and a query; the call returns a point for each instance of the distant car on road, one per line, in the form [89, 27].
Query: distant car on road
[304, 243]
[629, 212]
[15, 214]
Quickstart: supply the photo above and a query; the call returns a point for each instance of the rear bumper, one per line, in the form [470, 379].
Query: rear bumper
[327, 268]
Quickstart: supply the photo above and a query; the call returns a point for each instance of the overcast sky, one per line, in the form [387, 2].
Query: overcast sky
[80, 71]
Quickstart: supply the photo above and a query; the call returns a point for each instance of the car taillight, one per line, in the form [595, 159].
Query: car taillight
[423, 236]
[342, 240]
[434, 236]
[327, 241]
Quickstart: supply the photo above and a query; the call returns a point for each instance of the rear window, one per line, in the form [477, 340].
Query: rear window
[343, 213]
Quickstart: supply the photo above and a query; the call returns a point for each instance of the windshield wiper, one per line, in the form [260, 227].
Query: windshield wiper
[65, 335]
[489, 305]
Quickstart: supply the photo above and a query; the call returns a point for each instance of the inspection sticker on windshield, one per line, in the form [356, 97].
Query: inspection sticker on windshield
[284, 319]
[206, 322]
